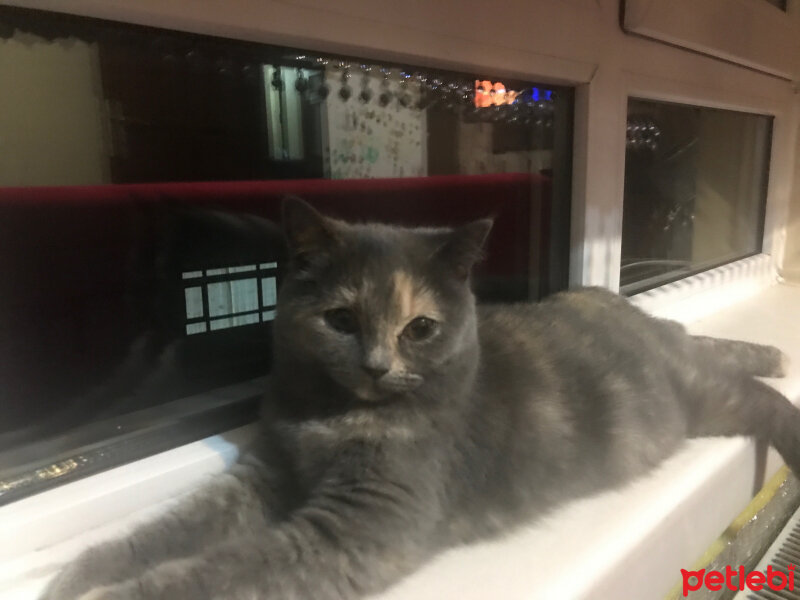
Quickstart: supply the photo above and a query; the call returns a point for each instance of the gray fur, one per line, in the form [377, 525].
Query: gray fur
[377, 450]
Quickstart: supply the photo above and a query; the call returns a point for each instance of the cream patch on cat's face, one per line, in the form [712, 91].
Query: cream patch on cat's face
[412, 299]
[383, 307]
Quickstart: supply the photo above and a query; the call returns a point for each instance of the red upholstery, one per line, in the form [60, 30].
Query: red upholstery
[439, 200]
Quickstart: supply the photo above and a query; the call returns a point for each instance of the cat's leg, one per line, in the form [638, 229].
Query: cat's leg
[754, 359]
[234, 503]
[737, 404]
[354, 537]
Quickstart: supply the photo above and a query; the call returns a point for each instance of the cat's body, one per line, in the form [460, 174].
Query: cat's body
[402, 421]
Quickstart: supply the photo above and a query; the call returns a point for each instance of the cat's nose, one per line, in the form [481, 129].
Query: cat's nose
[376, 372]
[376, 360]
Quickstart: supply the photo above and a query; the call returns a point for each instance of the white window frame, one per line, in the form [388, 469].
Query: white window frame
[771, 45]
[684, 77]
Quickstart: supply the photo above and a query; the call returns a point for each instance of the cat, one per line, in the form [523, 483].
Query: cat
[402, 420]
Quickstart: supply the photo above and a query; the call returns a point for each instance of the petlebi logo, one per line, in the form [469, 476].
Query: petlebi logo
[738, 579]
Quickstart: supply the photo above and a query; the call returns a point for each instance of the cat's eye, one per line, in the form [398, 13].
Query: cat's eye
[342, 320]
[420, 329]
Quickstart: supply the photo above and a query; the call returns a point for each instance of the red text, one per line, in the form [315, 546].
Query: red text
[773, 579]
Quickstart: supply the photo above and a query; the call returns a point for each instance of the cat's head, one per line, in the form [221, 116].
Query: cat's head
[378, 310]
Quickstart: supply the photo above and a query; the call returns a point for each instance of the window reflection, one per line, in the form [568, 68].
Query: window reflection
[107, 103]
[695, 190]
[150, 307]
[230, 297]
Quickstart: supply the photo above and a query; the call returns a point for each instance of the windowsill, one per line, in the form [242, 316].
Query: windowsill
[627, 543]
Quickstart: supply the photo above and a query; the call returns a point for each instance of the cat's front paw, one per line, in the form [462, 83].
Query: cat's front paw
[97, 567]
[70, 583]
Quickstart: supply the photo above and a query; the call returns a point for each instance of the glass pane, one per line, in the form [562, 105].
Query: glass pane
[269, 291]
[232, 297]
[140, 301]
[194, 302]
[695, 190]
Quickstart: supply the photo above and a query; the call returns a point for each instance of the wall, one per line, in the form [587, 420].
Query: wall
[51, 113]
[476, 156]
[791, 269]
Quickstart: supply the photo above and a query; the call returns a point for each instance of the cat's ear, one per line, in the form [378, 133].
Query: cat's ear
[463, 246]
[308, 233]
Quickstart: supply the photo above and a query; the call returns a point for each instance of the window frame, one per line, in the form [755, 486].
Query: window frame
[771, 30]
[785, 120]
[639, 88]
[600, 265]
[194, 277]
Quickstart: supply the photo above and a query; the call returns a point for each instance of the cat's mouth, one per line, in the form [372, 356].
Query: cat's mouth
[387, 388]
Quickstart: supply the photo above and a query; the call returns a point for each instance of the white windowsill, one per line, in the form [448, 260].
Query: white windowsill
[628, 543]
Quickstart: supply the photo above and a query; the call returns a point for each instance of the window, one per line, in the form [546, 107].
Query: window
[695, 190]
[230, 297]
[150, 304]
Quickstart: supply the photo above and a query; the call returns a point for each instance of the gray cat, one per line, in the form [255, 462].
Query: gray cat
[404, 420]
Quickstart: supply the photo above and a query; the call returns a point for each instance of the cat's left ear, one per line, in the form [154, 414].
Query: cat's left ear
[464, 246]
[308, 233]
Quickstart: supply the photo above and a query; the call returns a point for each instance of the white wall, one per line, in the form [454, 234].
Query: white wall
[476, 157]
[791, 266]
[51, 117]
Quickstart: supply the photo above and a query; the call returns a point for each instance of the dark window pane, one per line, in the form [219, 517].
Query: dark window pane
[695, 190]
[138, 315]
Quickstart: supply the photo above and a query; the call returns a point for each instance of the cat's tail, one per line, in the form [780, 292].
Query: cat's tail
[753, 359]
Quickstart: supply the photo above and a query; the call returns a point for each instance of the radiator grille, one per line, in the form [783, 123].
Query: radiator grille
[784, 551]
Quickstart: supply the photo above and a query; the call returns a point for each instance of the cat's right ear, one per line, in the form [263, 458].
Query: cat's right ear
[463, 246]
[308, 233]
